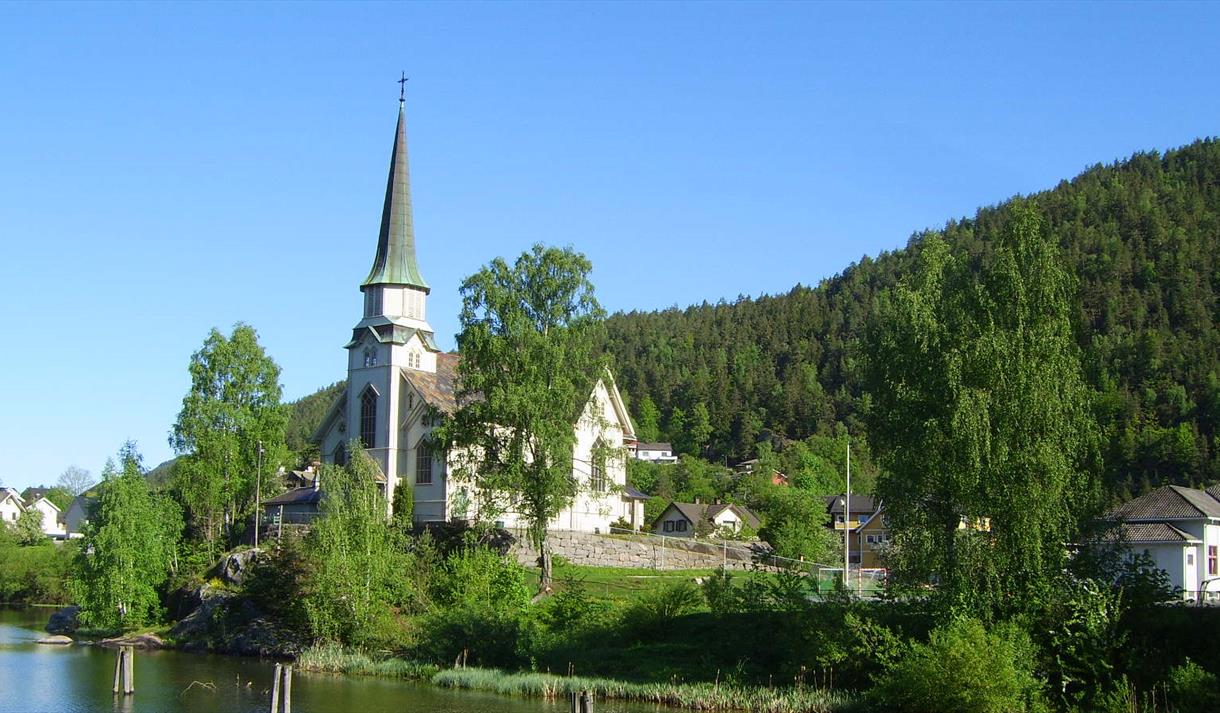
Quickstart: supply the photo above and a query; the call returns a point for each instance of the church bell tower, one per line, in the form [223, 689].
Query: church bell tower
[393, 334]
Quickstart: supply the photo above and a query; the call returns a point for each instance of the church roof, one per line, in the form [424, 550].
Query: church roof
[440, 388]
[395, 261]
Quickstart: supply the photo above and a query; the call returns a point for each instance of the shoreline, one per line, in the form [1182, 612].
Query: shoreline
[679, 696]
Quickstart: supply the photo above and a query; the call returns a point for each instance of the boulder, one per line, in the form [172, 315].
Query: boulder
[64, 621]
[234, 567]
[58, 640]
[139, 641]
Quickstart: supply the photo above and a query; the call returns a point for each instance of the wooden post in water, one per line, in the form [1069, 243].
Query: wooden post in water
[573, 702]
[586, 702]
[129, 671]
[275, 691]
[118, 670]
[288, 688]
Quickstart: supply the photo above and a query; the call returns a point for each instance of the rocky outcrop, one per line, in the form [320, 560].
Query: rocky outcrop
[64, 621]
[57, 640]
[227, 622]
[234, 567]
[139, 641]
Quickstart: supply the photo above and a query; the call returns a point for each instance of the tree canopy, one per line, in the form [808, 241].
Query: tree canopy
[527, 369]
[232, 405]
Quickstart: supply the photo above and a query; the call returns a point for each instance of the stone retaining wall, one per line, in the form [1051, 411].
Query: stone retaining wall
[587, 549]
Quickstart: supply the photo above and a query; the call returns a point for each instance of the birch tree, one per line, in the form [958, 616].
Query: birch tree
[527, 369]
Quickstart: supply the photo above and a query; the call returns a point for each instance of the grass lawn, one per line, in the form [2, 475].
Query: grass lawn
[621, 583]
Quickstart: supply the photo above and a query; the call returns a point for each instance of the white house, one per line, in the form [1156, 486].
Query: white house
[1180, 529]
[655, 452]
[682, 519]
[52, 526]
[399, 385]
[11, 506]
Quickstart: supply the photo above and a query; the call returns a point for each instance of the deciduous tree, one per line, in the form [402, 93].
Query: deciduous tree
[232, 405]
[981, 419]
[526, 371]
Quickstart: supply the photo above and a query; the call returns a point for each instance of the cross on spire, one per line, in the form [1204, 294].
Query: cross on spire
[402, 88]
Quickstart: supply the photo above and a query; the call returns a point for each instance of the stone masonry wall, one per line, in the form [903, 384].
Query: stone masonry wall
[583, 548]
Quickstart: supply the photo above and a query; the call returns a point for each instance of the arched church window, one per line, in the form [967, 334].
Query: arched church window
[370, 356]
[413, 360]
[340, 454]
[423, 465]
[372, 302]
[597, 475]
[368, 418]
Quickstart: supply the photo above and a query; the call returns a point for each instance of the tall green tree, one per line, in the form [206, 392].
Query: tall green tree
[527, 369]
[648, 421]
[357, 562]
[28, 528]
[128, 549]
[233, 404]
[981, 419]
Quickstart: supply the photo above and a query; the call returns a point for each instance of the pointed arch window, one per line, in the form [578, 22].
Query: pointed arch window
[423, 465]
[597, 473]
[340, 454]
[368, 418]
[370, 356]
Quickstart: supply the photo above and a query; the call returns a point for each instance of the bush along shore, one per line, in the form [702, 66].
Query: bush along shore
[691, 696]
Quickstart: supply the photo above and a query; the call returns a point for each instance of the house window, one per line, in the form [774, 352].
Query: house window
[423, 465]
[680, 526]
[368, 418]
[1190, 559]
[669, 525]
[870, 539]
[1211, 560]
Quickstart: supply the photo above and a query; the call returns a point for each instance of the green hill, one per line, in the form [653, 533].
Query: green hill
[1142, 236]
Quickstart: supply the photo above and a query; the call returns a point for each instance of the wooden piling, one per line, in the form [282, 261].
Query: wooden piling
[586, 702]
[118, 670]
[275, 691]
[288, 688]
[129, 683]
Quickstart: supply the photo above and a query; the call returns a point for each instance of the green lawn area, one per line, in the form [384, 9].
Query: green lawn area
[621, 583]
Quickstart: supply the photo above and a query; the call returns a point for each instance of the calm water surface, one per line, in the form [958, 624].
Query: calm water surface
[35, 678]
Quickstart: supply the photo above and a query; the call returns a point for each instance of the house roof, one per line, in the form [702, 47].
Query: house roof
[631, 493]
[696, 512]
[296, 496]
[654, 447]
[1149, 533]
[1169, 502]
[31, 495]
[859, 504]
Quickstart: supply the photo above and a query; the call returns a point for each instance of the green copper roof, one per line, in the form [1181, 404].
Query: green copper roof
[395, 261]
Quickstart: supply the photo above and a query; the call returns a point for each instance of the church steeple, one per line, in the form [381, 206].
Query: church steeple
[395, 261]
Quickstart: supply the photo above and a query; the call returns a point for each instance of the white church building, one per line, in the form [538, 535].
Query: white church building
[400, 385]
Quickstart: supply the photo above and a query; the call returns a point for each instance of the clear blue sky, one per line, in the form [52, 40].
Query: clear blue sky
[168, 168]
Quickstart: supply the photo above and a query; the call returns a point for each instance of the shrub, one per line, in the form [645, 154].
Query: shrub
[663, 604]
[1190, 689]
[965, 668]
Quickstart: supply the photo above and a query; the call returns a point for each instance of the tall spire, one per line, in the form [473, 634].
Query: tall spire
[395, 261]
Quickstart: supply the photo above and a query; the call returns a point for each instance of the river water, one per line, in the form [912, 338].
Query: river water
[37, 678]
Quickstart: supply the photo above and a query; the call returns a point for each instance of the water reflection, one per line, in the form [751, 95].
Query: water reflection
[36, 678]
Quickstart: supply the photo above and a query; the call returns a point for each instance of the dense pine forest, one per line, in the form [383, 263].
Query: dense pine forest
[1142, 238]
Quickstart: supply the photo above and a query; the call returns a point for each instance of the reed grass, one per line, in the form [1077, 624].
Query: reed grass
[691, 696]
[332, 658]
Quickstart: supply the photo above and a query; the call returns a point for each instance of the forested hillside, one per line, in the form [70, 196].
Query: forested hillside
[306, 414]
[1141, 236]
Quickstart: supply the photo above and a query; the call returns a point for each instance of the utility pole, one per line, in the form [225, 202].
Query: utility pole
[258, 493]
[847, 521]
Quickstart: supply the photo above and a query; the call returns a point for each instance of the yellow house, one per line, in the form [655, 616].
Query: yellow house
[870, 539]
